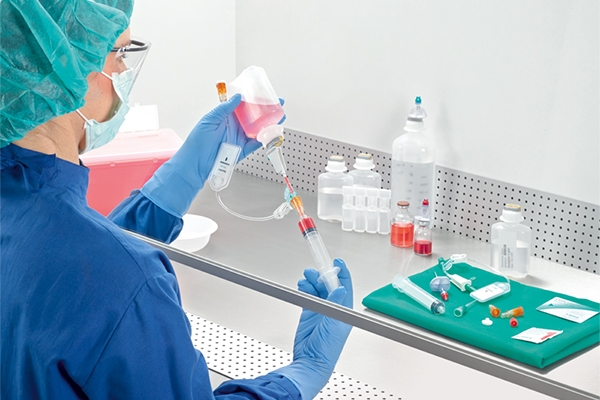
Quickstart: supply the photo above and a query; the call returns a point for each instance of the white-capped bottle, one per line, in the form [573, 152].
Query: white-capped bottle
[511, 243]
[329, 189]
[413, 162]
[363, 173]
[372, 211]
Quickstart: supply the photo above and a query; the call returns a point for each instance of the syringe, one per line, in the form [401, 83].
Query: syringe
[327, 272]
[405, 285]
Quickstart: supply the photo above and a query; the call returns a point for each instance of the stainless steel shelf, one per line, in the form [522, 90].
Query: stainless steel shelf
[269, 257]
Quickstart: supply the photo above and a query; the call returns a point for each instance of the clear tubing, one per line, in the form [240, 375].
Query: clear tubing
[327, 272]
[404, 285]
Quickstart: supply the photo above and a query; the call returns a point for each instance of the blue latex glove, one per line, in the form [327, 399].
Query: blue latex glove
[319, 340]
[176, 183]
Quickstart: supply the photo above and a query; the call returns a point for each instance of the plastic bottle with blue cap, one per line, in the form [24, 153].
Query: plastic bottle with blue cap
[413, 161]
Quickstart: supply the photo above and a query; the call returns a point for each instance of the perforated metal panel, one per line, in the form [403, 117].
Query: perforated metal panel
[238, 356]
[565, 231]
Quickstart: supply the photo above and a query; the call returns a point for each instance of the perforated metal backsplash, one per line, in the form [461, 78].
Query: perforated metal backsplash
[565, 231]
[238, 356]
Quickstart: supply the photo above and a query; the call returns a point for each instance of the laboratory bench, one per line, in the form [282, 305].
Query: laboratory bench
[249, 271]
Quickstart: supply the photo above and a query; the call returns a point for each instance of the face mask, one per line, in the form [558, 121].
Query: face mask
[99, 133]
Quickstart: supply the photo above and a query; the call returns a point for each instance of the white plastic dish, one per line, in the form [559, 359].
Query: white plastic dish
[195, 233]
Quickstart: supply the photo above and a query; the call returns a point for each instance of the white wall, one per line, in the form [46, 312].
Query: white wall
[511, 87]
[193, 46]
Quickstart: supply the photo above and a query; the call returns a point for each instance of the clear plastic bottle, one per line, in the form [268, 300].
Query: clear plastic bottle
[363, 174]
[403, 227]
[384, 211]
[329, 189]
[372, 210]
[360, 210]
[413, 161]
[423, 238]
[511, 243]
[348, 208]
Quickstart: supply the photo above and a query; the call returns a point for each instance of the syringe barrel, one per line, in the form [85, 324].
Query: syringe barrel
[327, 272]
[406, 286]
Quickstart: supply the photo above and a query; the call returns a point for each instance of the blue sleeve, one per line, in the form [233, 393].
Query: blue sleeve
[138, 214]
[270, 386]
[150, 355]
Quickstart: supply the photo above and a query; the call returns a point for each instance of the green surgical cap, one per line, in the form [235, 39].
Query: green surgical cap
[48, 48]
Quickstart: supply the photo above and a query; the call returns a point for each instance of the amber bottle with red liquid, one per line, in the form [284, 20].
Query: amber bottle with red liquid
[403, 228]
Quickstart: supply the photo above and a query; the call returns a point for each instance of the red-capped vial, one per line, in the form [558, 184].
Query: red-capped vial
[513, 322]
[423, 238]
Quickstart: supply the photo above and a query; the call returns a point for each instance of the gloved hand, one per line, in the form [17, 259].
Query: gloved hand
[176, 183]
[319, 340]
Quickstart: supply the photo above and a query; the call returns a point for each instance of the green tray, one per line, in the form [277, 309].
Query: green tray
[498, 337]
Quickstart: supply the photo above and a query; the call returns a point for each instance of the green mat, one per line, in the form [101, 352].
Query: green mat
[498, 337]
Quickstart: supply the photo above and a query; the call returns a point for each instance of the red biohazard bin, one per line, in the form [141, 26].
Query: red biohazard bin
[125, 164]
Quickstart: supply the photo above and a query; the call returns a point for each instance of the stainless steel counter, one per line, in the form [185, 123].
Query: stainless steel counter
[269, 257]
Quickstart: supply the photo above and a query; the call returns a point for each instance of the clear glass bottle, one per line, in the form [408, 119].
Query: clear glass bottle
[511, 243]
[423, 238]
[329, 189]
[363, 174]
[402, 227]
[348, 208]
[372, 211]
[384, 211]
[413, 161]
[360, 209]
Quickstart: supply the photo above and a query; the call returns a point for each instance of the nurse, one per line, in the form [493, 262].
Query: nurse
[87, 310]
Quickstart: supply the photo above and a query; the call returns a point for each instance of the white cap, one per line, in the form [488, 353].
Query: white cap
[511, 213]
[336, 164]
[364, 161]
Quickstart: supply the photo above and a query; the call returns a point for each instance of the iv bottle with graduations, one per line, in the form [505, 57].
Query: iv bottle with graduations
[413, 157]
[329, 189]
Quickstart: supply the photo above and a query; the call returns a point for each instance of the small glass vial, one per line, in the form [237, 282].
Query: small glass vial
[424, 211]
[360, 209]
[363, 174]
[511, 243]
[384, 211]
[372, 211]
[423, 238]
[329, 189]
[348, 208]
[403, 227]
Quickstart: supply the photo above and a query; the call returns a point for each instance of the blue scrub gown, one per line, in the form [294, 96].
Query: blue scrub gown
[87, 310]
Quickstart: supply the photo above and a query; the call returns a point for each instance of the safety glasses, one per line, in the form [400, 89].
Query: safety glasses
[131, 56]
